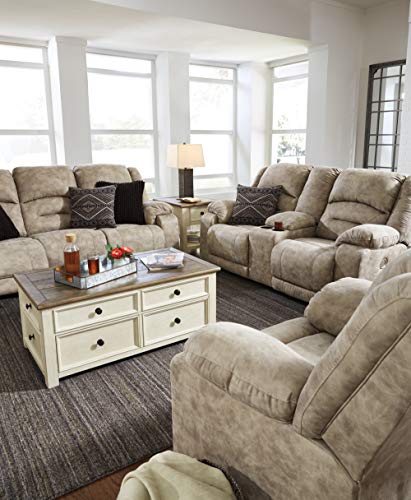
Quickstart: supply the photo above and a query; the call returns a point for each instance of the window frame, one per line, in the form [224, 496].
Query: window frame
[44, 66]
[369, 112]
[230, 133]
[152, 75]
[278, 64]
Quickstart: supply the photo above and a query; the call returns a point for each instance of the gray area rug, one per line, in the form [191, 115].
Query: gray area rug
[95, 423]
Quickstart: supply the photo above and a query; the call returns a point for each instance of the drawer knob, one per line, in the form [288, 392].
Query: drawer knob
[28, 306]
[100, 342]
[31, 337]
[177, 321]
[98, 311]
[177, 291]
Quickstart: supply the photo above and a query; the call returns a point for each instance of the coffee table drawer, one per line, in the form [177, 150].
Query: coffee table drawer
[29, 310]
[174, 293]
[72, 317]
[173, 322]
[33, 341]
[77, 349]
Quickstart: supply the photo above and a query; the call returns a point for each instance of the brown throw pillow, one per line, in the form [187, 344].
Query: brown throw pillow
[8, 230]
[92, 208]
[254, 205]
[128, 202]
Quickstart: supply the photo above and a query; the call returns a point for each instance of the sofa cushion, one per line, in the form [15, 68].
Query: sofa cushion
[400, 217]
[374, 333]
[314, 196]
[139, 238]
[128, 201]
[9, 201]
[229, 242]
[291, 177]
[313, 347]
[249, 365]
[291, 330]
[359, 197]
[331, 308]
[92, 208]
[43, 193]
[370, 236]
[254, 205]
[305, 262]
[88, 175]
[20, 255]
[90, 241]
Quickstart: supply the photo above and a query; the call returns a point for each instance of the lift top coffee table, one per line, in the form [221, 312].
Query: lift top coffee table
[68, 330]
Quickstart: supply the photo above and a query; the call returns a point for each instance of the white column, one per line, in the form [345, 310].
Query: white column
[69, 90]
[404, 158]
[173, 111]
[253, 119]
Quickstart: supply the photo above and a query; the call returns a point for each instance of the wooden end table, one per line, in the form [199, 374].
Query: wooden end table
[68, 330]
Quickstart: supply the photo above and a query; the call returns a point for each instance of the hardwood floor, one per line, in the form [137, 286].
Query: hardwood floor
[107, 487]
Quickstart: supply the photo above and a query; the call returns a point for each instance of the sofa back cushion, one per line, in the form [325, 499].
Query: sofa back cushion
[43, 194]
[359, 197]
[364, 368]
[9, 200]
[291, 177]
[316, 192]
[400, 217]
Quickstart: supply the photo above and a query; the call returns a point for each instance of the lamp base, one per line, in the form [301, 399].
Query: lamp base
[185, 183]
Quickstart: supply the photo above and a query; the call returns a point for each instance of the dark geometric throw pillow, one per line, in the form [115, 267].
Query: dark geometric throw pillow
[128, 202]
[7, 228]
[93, 208]
[254, 205]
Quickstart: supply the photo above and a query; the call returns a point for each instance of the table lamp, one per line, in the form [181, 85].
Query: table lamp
[185, 157]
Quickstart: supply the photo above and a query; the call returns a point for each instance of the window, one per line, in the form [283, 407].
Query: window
[26, 131]
[383, 122]
[290, 84]
[123, 128]
[212, 123]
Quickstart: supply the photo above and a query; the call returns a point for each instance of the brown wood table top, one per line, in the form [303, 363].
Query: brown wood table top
[45, 293]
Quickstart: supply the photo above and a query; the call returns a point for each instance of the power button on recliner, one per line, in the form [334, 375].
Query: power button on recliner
[384, 262]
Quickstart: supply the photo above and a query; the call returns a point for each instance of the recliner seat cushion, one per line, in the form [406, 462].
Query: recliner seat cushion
[359, 197]
[313, 347]
[139, 238]
[19, 255]
[90, 241]
[43, 193]
[291, 177]
[230, 242]
[305, 262]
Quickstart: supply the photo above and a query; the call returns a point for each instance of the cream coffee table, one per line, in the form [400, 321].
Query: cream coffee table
[68, 330]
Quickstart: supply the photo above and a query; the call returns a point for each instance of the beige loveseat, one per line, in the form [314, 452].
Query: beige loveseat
[36, 200]
[337, 224]
[315, 408]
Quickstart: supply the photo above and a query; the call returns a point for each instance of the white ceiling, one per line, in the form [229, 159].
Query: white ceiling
[126, 29]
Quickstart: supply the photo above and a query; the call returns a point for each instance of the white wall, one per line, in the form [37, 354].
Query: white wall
[385, 39]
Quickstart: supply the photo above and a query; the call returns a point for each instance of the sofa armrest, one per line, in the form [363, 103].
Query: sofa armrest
[152, 209]
[370, 236]
[207, 220]
[169, 225]
[254, 368]
[292, 220]
[331, 308]
[222, 209]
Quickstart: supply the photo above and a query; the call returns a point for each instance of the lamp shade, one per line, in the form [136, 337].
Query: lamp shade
[185, 156]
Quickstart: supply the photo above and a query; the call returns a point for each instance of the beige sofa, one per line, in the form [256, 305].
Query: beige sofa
[317, 407]
[337, 224]
[36, 199]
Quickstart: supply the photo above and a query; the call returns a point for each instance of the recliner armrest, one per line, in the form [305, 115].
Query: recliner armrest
[370, 236]
[254, 368]
[331, 308]
[292, 220]
[222, 209]
[152, 209]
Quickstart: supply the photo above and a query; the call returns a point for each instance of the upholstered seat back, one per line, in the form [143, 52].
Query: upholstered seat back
[43, 195]
[361, 388]
[9, 200]
[359, 197]
[400, 217]
[291, 177]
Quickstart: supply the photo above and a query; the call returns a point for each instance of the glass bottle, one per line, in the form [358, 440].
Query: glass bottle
[72, 255]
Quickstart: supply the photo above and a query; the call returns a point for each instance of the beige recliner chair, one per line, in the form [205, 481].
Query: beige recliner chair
[317, 407]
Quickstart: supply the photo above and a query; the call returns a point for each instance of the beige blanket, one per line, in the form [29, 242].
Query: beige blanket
[172, 476]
